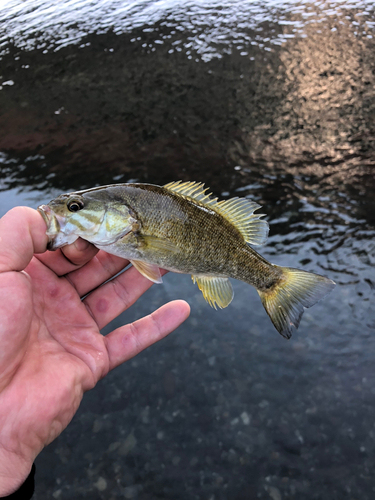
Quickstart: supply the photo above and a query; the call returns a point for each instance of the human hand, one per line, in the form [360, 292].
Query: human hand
[51, 349]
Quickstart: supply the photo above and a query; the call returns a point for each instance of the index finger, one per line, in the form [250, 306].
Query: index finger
[69, 258]
[22, 233]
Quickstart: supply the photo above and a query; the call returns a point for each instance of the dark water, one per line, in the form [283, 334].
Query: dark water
[270, 100]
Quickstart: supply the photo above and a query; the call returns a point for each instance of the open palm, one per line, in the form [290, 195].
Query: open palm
[51, 349]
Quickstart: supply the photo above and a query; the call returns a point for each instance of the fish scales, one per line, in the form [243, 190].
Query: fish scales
[207, 243]
[181, 228]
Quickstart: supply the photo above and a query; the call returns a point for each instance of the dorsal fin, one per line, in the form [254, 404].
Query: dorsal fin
[238, 211]
[194, 190]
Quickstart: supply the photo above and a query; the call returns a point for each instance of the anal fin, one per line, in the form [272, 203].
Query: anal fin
[216, 291]
[149, 271]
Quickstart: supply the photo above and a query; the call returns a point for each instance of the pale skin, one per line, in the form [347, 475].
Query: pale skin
[51, 349]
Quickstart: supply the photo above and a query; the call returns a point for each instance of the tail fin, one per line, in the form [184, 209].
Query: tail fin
[285, 302]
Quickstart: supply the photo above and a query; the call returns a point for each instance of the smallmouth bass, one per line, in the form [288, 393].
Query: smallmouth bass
[180, 228]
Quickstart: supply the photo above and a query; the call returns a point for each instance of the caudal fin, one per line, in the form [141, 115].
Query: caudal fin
[296, 290]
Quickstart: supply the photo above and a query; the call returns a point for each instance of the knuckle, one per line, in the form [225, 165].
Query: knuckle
[134, 334]
[109, 263]
[122, 292]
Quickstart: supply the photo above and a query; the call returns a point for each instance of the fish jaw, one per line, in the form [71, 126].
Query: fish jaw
[57, 233]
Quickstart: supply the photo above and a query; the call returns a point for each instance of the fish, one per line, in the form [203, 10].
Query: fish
[182, 228]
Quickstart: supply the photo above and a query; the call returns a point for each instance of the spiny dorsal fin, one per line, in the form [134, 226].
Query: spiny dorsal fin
[194, 190]
[238, 211]
[216, 291]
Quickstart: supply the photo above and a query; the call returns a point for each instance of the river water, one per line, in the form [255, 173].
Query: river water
[270, 100]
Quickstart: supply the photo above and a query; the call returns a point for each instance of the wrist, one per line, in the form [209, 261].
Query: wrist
[14, 471]
[26, 490]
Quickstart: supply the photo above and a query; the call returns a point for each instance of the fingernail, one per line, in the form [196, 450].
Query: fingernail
[81, 245]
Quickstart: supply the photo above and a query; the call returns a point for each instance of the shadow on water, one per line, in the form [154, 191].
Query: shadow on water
[274, 101]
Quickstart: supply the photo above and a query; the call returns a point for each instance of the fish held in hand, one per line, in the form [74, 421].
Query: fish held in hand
[181, 228]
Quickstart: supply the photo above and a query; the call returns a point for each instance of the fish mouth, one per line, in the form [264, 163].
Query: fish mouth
[53, 225]
[45, 211]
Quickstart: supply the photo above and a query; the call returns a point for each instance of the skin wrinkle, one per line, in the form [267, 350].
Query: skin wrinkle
[68, 260]
[19, 447]
[90, 311]
[74, 350]
[99, 364]
[134, 335]
[155, 323]
[69, 280]
[19, 455]
[122, 292]
[4, 263]
[109, 263]
[9, 376]
[86, 384]
[86, 356]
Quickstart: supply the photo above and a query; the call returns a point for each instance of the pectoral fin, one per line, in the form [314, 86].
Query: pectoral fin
[158, 244]
[216, 291]
[149, 271]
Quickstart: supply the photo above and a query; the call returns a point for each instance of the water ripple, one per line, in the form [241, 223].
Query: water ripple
[214, 26]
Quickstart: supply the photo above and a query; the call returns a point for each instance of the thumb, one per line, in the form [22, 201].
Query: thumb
[22, 233]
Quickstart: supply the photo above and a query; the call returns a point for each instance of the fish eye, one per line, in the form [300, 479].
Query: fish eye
[75, 205]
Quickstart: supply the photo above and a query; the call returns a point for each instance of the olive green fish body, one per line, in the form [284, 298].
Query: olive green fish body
[204, 241]
[181, 228]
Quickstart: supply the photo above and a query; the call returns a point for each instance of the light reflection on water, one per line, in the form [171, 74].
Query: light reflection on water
[270, 100]
[214, 27]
